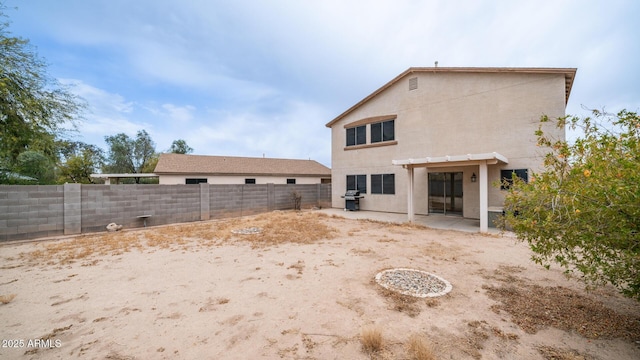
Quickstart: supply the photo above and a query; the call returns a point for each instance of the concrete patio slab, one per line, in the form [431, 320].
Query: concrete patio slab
[435, 221]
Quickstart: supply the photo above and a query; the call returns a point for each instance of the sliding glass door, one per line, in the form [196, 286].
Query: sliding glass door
[445, 193]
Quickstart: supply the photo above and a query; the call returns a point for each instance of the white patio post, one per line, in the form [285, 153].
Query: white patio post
[410, 193]
[484, 198]
[426, 170]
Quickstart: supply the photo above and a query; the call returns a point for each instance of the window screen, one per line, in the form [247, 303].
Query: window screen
[506, 177]
[383, 184]
[388, 130]
[357, 135]
[383, 131]
[388, 184]
[376, 135]
[376, 184]
[357, 182]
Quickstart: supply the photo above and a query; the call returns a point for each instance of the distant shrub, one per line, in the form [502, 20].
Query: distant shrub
[296, 200]
[371, 339]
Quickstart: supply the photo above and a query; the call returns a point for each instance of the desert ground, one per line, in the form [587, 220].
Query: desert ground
[298, 285]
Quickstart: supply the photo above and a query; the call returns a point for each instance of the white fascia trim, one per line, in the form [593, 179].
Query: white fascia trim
[453, 158]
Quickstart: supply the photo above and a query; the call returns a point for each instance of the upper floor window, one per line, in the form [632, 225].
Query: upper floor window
[194, 181]
[506, 177]
[357, 135]
[291, 181]
[357, 182]
[249, 181]
[383, 131]
[373, 131]
[383, 184]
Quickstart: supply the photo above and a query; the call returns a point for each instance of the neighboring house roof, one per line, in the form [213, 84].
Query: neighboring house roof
[569, 75]
[235, 165]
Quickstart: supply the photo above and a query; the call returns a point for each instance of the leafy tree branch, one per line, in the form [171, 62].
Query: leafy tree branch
[583, 210]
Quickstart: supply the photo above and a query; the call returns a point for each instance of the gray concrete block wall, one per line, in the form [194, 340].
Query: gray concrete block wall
[72, 209]
[204, 201]
[254, 199]
[122, 204]
[174, 203]
[238, 200]
[28, 212]
[283, 196]
[225, 201]
[324, 195]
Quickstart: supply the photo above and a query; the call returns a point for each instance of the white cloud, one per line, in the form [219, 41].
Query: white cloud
[181, 114]
[107, 114]
[98, 99]
[296, 132]
[247, 77]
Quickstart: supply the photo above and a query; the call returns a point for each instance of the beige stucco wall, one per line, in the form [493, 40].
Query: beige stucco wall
[180, 179]
[450, 114]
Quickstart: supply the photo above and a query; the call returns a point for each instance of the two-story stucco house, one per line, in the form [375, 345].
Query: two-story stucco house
[438, 140]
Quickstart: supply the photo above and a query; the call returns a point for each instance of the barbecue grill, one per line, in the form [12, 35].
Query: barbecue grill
[352, 200]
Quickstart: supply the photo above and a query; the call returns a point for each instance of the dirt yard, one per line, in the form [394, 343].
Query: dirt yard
[298, 285]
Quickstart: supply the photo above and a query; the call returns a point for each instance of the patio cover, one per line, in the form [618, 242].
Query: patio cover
[116, 177]
[481, 160]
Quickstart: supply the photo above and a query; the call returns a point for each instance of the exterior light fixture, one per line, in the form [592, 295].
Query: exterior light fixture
[473, 177]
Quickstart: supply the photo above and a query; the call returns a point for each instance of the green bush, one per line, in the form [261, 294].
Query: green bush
[583, 210]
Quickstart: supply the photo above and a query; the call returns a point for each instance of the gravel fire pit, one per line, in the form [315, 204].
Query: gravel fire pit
[413, 282]
[247, 231]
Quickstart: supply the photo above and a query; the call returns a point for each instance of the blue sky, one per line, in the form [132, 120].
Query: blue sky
[248, 78]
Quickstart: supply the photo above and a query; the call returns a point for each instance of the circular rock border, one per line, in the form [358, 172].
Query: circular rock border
[413, 282]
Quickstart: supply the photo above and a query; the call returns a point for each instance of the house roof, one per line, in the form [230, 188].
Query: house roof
[569, 75]
[235, 165]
